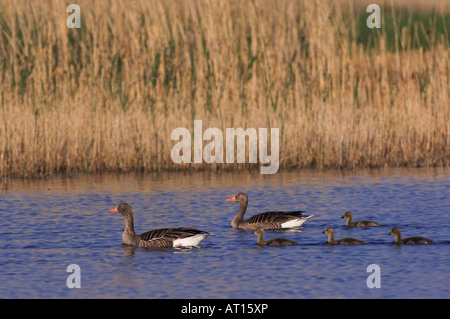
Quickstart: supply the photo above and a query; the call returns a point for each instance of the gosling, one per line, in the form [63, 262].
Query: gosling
[274, 242]
[344, 241]
[410, 240]
[362, 223]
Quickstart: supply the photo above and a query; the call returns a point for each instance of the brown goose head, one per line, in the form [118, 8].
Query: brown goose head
[395, 232]
[347, 215]
[328, 231]
[124, 209]
[239, 197]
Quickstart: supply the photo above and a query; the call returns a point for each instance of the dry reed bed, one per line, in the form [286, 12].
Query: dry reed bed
[106, 97]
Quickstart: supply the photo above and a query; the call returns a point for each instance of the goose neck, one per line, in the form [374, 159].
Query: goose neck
[260, 241]
[129, 223]
[239, 218]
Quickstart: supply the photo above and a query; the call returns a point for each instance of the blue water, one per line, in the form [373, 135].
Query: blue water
[47, 225]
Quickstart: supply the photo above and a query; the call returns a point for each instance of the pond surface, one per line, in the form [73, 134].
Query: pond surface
[46, 225]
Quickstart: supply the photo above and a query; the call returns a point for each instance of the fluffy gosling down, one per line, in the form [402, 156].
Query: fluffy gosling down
[410, 240]
[362, 223]
[274, 242]
[344, 241]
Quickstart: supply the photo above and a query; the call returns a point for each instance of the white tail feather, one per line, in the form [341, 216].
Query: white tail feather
[189, 241]
[296, 222]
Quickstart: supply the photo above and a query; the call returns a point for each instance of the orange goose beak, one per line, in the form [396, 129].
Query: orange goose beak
[231, 199]
[114, 210]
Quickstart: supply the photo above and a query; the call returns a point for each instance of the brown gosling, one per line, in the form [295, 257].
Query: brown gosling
[274, 242]
[410, 240]
[362, 223]
[344, 241]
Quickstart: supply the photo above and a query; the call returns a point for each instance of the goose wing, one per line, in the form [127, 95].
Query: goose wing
[276, 218]
[165, 237]
[417, 240]
[366, 223]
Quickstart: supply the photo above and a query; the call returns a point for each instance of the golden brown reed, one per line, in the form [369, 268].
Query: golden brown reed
[106, 97]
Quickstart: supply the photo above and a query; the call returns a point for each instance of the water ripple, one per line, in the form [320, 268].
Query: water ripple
[47, 225]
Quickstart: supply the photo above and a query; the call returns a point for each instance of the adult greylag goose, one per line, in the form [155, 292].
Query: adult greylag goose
[268, 220]
[362, 223]
[344, 241]
[158, 238]
[410, 240]
[274, 242]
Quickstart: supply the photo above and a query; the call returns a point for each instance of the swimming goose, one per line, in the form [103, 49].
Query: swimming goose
[410, 240]
[269, 220]
[274, 242]
[344, 241]
[362, 223]
[159, 238]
